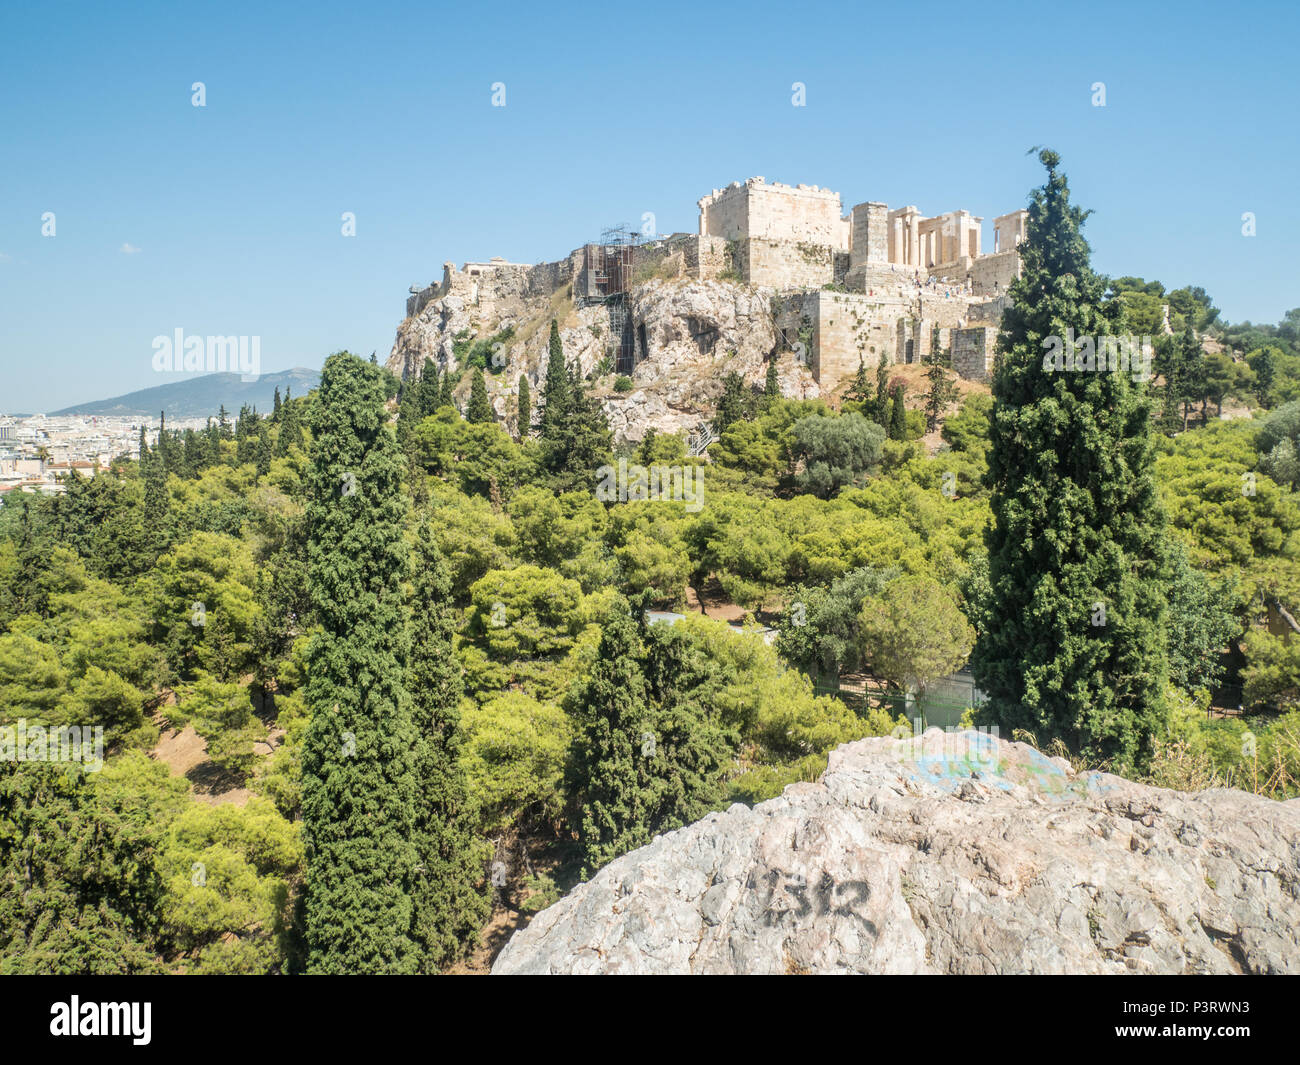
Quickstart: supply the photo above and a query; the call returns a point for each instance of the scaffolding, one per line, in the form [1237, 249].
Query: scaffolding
[606, 278]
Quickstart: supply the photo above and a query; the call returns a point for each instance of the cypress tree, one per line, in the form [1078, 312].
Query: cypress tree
[942, 392]
[881, 413]
[1072, 643]
[211, 444]
[480, 410]
[164, 445]
[898, 416]
[1265, 367]
[651, 749]
[582, 443]
[771, 386]
[275, 405]
[645, 454]
[427, 390]
[244, 435]
[449, 896]
[358, 782]
[555, 392]
[290, 434]
[156, 497]
[263, 452]
[446, 394]
[613, 714]
[860, 389]
[191, 455]
[732, 407]
[1192, 357]
[525, 412]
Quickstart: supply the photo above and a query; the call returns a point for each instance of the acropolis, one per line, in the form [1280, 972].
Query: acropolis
[844, 287]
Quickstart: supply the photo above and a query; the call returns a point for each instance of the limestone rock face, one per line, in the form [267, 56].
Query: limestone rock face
[692, 332]
[945, 854]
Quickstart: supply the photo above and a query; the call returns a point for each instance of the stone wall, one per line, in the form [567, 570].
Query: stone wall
[705, 257]
[991, 275]
[775, 212]
[972, 352]
[785, 264]
[850, 328]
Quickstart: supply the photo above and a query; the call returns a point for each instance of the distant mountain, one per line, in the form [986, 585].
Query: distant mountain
[201, 395]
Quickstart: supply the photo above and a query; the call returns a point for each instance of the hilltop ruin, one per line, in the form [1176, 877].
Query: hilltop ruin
[831, 289]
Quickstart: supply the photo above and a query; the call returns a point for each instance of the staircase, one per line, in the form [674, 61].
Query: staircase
[698, 442]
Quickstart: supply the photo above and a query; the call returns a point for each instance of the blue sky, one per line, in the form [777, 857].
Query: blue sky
[233, 210]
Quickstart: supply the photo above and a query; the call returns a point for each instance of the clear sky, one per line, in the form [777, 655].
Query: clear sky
[226, 219]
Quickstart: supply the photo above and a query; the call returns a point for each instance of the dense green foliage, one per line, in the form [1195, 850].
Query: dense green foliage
[1076, 643]
[358, 780]
[431, 691]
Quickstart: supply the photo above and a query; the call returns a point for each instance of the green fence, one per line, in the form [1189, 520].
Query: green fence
[934, 709]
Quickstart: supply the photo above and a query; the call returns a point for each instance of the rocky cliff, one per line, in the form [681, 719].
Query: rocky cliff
[690, 334]
[946, 854]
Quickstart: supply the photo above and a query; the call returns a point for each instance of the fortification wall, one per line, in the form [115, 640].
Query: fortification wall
[972, 352]
[775, 212]
[784, 264]
[704, 257]
[725, 213]
[991, 275]
[849, 328]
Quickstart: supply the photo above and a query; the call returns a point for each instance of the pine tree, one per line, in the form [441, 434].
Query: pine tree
[358, 782]
[450, 903]
[480, 410]
[556, 390]
[1072, 643]
[524, 417]
[898, 416]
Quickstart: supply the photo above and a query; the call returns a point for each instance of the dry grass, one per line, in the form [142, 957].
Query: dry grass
[560, 307]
